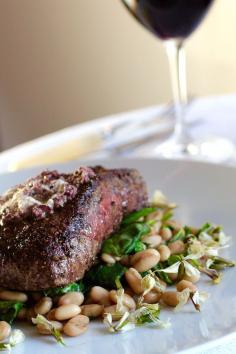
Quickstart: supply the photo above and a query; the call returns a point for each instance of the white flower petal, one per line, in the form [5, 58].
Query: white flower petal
[204, 237]
[182, 297]
[148, 283]
[190, 270]
[159, 198]
[200, 297]
[211, 251]
[174, 268]
[193, 256]
[209, 262]
[223, 239]
[120, 300]
[17, 337]
[122, 320]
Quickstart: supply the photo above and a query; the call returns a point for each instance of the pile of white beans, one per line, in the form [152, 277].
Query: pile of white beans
[70, 313]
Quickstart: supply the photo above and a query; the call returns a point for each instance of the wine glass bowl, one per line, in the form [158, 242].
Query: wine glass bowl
[169, 19]
[173, 21]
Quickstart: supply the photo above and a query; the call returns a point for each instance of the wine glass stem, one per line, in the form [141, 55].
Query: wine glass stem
[176, 56]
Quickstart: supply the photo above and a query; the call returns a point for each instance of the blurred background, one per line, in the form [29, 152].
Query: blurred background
[67, 61]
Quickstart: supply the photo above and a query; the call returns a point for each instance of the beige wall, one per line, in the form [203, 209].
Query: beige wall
[66, 61]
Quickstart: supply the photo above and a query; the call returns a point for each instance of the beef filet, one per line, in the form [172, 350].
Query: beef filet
[56, 247]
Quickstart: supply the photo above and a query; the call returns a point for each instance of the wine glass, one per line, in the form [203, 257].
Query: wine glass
[173, 21]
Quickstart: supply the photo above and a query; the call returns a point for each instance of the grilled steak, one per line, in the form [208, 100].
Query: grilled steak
[52, 226]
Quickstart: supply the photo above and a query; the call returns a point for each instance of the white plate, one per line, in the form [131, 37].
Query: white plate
[204, 193]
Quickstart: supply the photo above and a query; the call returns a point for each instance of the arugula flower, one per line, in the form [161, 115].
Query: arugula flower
[189, 269]
[197, 298]
[17, 337]
[146, 314]
[54, 332]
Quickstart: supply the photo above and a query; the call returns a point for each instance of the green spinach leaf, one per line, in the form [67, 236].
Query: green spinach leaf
[63, 290]
[136, 215]
[9, 310]
[104, 275]
[125, 241]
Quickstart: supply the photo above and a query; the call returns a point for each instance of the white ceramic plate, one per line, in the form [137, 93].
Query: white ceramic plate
[204, 193]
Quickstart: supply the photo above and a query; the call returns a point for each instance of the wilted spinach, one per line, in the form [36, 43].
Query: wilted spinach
[136, 215]
[126, 240]
[9, 310]
[104, 275]
[79, 286]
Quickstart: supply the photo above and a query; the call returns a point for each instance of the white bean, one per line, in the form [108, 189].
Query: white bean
[152, 297]
[13, 296]
[134, 279]
[43, 329]
[43, 306]
[170, 298]
[92, 310]
[107, 258]
[99, 295]
[164, 252]
[152, 241]
[128, 301]
[65, 312]
[185, 284]
[176, 247]
[72, 297]
[76, 326]
[166, 233]
[5, 330]
[145, 260]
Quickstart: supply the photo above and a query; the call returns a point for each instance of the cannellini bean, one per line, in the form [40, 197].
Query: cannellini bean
[51, 315]
[113, 311]
[152, 241]
[128, 301]
[157, 215]
[30, 313]
[156, 228]
[134, 279]
[65, 312]
[170, 298]
[43, 306]
[193, 278]
[76, 326]
[176, 247]
[92, 310]
[176, 225]
[13, 296]
[99, 295]
[72, 297]
[152, 297]
[166, 233]
[107, 258]
[129, 291]
[43, 329]
[185, 284]
[145, 260]
[5, 330]
[164, 252]
[22, 314]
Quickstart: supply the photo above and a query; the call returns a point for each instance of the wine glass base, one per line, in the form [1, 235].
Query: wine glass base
[215, 149]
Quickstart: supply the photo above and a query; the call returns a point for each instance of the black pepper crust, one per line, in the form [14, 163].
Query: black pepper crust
[58, 249]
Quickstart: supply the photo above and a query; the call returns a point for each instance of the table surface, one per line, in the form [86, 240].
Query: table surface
[213, 116]
[216, 115]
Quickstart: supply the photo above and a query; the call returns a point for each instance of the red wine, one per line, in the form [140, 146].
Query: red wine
[169, 18]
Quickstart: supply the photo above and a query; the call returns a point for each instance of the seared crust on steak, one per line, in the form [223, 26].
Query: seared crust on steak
[58, 249]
